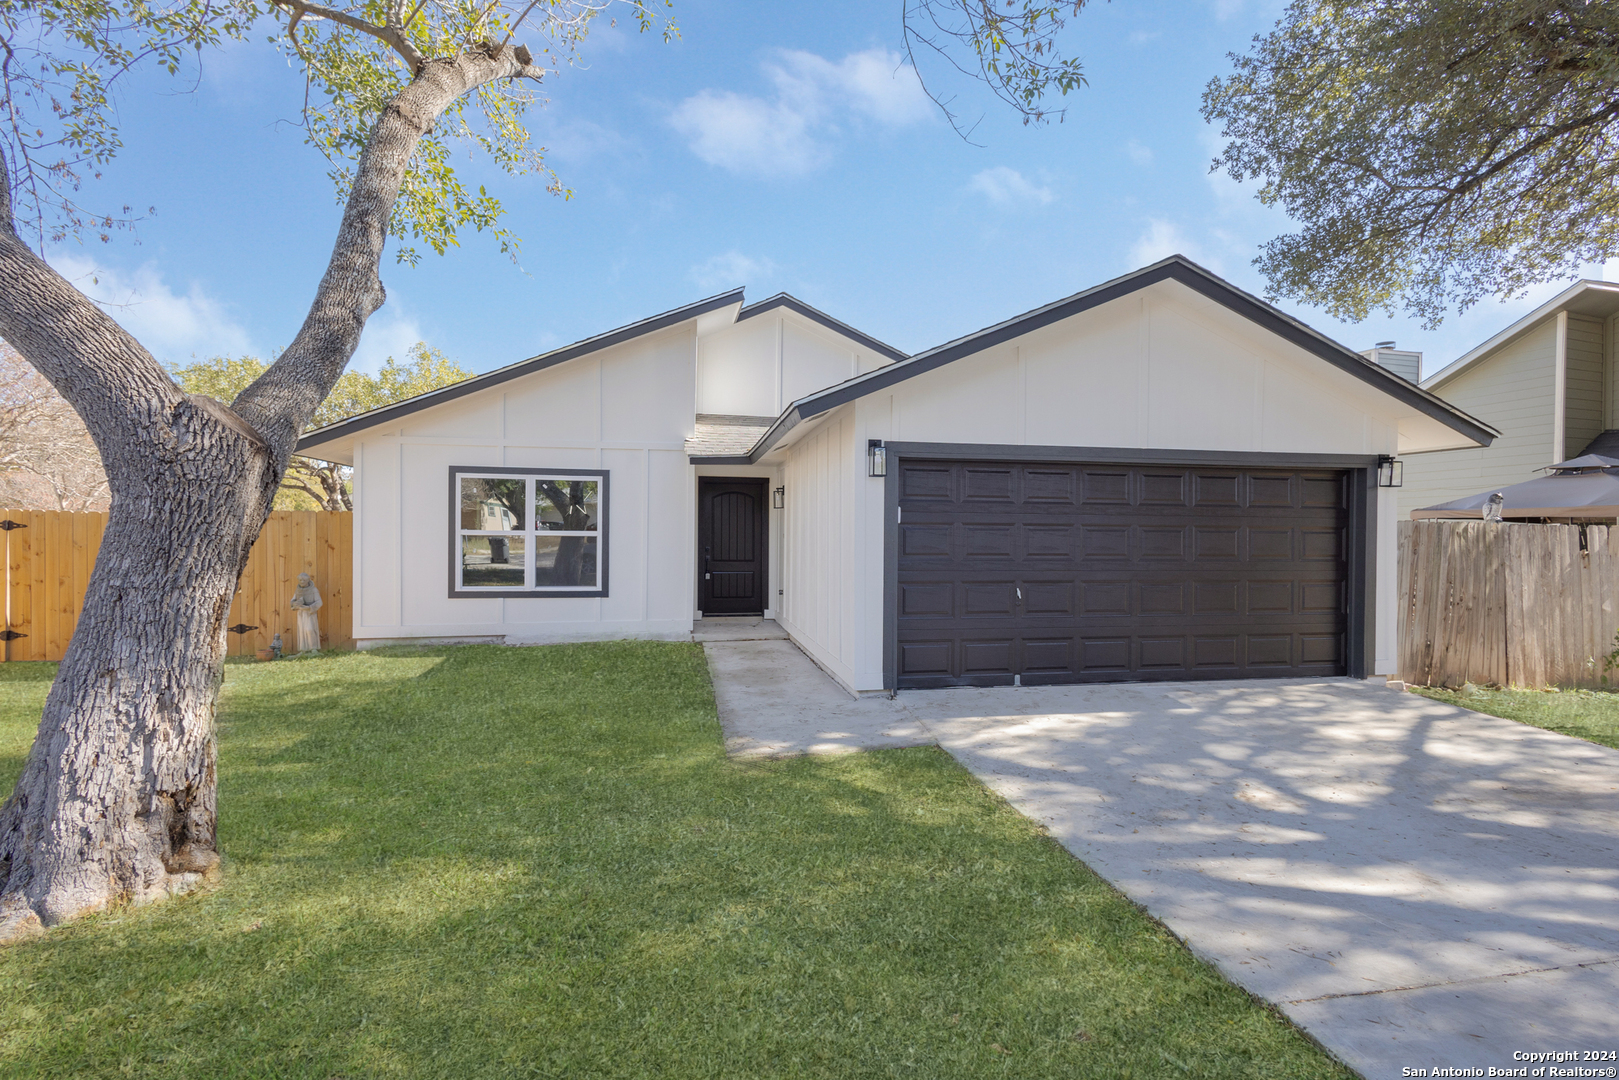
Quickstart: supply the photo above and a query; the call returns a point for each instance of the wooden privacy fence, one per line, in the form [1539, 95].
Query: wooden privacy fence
[1507, 604]
[49, 555]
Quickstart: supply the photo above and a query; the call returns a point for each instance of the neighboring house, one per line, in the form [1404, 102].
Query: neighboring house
[1162, 477]
[1546, 381]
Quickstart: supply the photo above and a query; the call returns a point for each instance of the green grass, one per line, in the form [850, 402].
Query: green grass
[1586, 714]
[490, 862]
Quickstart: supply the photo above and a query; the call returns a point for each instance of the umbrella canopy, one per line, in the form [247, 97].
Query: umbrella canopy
[1583, 463]
[1574, 490]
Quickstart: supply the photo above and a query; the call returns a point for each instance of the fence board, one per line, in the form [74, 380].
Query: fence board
[1507, 604]
[50, 560]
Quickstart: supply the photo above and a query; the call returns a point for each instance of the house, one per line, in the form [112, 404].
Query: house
[1546, 382]
[1161, 477]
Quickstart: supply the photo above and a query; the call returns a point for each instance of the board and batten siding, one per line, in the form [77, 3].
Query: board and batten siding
[1583, 399]
[1514, 392]
[760, 365]
[626, 409]
[831, 569]
[1161, 369]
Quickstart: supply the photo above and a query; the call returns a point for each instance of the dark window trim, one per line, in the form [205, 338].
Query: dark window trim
[1361, 619]
[602, 505]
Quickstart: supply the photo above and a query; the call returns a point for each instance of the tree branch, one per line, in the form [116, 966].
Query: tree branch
[282, 400]
[392, 36]
[116, 386]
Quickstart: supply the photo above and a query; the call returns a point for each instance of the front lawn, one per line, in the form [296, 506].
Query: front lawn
[1586, 714]
[490, 862]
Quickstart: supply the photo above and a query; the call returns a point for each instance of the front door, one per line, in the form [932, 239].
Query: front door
[731, 536]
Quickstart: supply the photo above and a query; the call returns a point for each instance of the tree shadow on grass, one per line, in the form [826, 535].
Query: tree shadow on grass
[538, 862]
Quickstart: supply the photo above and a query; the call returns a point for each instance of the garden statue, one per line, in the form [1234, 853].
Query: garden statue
[305, 602]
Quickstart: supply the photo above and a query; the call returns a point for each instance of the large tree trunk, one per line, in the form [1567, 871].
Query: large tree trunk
[117, 799]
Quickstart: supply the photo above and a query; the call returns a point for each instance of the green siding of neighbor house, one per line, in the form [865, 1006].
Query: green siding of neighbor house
[1512, 390]
[1583, 405]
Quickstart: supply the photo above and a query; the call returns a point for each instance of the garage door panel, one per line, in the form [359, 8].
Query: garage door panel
[1164, 489]
[1083, 573]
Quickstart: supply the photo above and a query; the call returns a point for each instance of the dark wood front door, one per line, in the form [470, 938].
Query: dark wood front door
[731, 537]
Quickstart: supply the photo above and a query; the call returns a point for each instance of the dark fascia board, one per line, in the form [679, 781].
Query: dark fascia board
[1175, 268]
[398, 410]
[794, 304]
[721, 459]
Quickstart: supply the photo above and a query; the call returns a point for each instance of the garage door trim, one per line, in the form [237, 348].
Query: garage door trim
[1361, 556]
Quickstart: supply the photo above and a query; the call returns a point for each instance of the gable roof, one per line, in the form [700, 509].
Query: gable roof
[793, 304]
[1175, 268]
[1586, 297]
[398, 410]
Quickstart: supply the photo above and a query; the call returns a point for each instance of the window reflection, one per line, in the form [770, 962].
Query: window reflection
[565, 505]
[489, 503]
[493, 560]
[564, 560]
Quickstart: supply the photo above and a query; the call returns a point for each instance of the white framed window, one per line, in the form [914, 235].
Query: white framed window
[528, 532]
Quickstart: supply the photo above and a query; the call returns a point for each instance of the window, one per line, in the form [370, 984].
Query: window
[528, 532]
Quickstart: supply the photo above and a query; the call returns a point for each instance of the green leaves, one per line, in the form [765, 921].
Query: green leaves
[1435, 152]
[59, 63]
[1013, 47]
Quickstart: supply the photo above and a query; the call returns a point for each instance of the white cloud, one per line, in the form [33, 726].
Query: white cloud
[731, 269]
[748, 135]
[1164, 238]
[390, 332]
[1008, 187]
[789, 134]
[1139, 153]
[581, 140]
[172, 326]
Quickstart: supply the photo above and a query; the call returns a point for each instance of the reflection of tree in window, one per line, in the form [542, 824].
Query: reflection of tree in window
[492, 504]
[568, 506]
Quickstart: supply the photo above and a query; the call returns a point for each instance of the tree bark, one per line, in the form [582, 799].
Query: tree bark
[117, 802]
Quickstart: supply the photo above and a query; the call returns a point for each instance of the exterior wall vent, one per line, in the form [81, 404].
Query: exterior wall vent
[1404, 363]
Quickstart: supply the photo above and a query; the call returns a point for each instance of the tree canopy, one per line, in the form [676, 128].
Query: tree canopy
[324, 485]
[1434, 152]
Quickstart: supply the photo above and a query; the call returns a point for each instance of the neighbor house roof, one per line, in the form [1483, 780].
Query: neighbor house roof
[388, 413]
[1175, 268]
[1599, 299]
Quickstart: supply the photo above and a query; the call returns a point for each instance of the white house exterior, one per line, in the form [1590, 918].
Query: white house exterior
[1547, 383]
[1161, 477]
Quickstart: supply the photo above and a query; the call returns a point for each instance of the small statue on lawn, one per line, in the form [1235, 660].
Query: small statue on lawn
[305, 602]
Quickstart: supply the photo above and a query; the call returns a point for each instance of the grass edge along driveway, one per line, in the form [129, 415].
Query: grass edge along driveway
[512, 862]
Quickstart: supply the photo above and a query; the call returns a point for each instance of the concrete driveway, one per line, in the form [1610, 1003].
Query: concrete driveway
[1415, 885]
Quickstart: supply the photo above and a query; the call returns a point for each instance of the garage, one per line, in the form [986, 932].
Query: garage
[1042, 572]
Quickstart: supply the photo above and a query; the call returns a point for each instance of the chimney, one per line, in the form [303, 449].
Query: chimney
[1404, 363]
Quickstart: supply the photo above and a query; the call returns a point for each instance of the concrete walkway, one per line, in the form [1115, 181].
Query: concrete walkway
[1416, 885]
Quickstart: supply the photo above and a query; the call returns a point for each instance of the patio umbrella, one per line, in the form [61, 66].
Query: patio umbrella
[1582, 488]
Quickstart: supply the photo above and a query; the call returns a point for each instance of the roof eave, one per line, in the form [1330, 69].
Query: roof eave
[1175, 268]
[629, 332]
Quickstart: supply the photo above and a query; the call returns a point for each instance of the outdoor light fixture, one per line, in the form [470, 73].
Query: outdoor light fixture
[778, 498]
[876, 458]
[1390, 472]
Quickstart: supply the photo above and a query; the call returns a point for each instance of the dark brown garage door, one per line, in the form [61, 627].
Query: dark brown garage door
[1059, 573]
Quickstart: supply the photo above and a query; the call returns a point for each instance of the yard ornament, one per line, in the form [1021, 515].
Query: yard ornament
[305, 602]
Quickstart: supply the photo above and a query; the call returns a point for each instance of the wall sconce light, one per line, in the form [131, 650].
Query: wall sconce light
[778, 498]
[876, 458]
[1390, 472]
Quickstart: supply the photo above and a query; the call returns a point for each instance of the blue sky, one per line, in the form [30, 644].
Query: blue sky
[775, 146]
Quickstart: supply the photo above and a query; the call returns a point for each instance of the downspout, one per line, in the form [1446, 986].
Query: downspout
[1560, 390]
